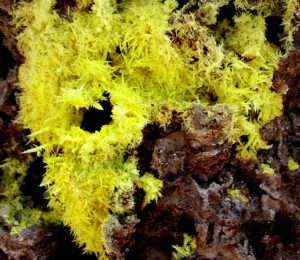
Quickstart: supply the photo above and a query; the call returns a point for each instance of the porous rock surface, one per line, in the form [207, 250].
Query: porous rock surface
[197, 177]
[198, 168]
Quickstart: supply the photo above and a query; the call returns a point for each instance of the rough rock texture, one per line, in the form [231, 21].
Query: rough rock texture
[198, 169]
[262, 223]
[200, 147]
[7, 37]
[37, 242]
[10, 133]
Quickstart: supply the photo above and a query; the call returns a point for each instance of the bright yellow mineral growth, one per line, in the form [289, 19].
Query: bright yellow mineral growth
[150, 59]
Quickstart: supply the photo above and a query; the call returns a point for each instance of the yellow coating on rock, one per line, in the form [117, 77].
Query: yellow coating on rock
[186, 250]
[292, 164]
[151, 60]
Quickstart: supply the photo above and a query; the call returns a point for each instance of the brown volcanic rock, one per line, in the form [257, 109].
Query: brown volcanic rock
[288, 75]
[199, 147]
[6, 29]
[195, 195]
[197, 165]
[37, 242]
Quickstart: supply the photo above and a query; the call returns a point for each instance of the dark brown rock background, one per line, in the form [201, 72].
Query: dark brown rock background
[197, 174]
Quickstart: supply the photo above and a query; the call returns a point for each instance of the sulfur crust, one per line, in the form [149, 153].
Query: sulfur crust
[139, 52]
[186, 250]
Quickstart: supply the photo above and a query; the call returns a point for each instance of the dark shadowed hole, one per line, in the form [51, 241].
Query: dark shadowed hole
[210, 232]
[3, 255]
[285, 228]
[255, 233]
[68, 249]
[226, 12]
[118, 50]
[213, 98]
[65, 7]
[194, 60]
[94, 119]
[186, 224]
[206, 183]
[244, 139]
[6, 59]
[274, 29]
[251, 184]
[4, 226]
[182, 3]
[31, 183]
[154, 237]
[139, 196]
[149, 250]
[4, 118]
[150, 134]
[253, 115]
